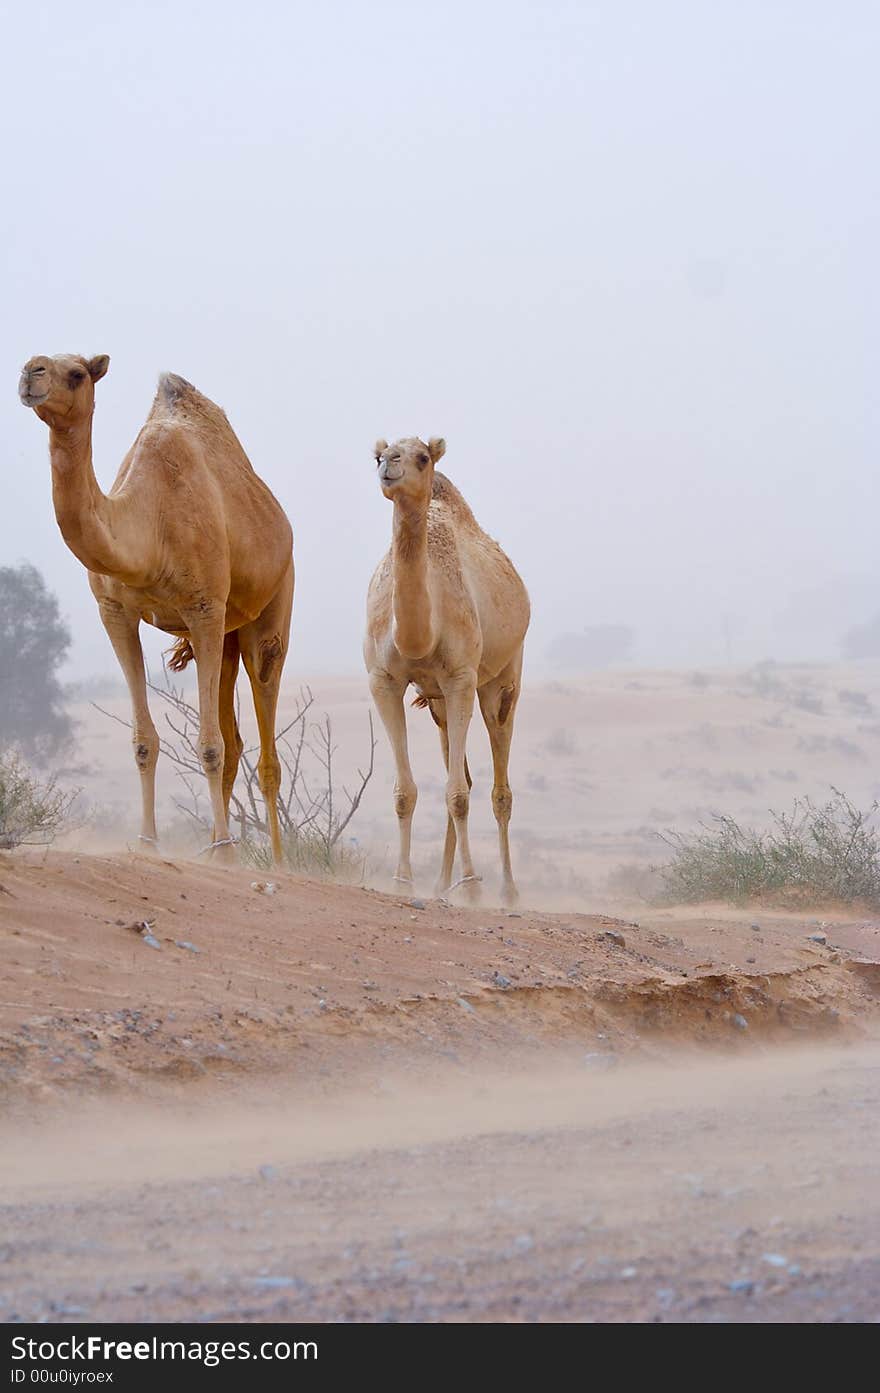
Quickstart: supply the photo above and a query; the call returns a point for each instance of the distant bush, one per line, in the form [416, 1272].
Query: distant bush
[30, 811]
[812, 854]
[33, 643]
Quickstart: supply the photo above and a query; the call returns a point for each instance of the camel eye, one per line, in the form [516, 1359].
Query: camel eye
[76, 378]
[423, 460]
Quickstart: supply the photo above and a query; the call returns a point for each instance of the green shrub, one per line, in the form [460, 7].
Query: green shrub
[812, 854]
[30, 811]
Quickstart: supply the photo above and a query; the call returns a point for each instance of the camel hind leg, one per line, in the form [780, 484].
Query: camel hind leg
[498, 700]
[232, 741]
[458, 692]
[207, 636]
[264, 644]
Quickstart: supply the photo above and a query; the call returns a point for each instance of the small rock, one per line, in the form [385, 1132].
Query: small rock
[627, 1273]
[275, 1283]
[743, 1285]
[466, 1005]
[751, 960]
[417, 904]
[151, 940]
[774, 1259]
[739, 1021]
[524, 1243]
[268, 1173]
[500, 980]
[756, 928]
[614, 936]
[183, 943]
[818, 938]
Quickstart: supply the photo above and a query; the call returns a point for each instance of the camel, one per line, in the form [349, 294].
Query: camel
[447, 612]
[190, 540]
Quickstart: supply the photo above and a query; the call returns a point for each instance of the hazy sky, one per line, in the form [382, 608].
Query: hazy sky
[624, 256]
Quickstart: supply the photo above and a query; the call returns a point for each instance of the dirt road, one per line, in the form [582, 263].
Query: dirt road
[737, 1190]
[347, 1106]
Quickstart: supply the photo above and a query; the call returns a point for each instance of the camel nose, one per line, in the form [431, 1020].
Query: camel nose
[33, 384]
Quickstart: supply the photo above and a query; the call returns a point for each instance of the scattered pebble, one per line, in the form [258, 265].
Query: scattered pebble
[417, 904]
[151, 940]
[615, 937]
[818, 938]
[740, 1022]
[466, 1005]
[774, 1259]
[524, 1243]
[500, 980]
[190, 947]
[743, 1285]
[627, 1273]
[268, 1173]
[275, 1283]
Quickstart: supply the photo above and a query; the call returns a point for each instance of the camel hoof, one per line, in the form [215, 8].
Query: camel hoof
[148, 846]
[224, 856]
[509, 895]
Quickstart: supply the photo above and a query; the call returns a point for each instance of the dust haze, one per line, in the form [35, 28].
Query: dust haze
[624, 259]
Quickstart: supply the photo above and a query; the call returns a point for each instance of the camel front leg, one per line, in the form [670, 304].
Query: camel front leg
[459, 692]
[388, 697]
[122, 631]
[438, 712]
[207, 639]
[498, 701]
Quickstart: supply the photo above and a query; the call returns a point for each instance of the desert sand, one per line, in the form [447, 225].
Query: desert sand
[334, 1101]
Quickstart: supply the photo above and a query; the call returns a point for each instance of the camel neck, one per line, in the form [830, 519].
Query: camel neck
[81, 509]
[411, 602]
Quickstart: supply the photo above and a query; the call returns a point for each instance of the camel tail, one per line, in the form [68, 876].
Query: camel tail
[421, 702]
[177, 657]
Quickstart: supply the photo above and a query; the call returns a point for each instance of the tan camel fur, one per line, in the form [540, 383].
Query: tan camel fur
[188, 539]
[447, 612]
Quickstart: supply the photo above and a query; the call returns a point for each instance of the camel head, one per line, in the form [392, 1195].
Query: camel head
[406, 468]
[61, 390]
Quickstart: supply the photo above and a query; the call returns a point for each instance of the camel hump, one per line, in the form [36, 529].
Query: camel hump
[173, 389]
[180, 398]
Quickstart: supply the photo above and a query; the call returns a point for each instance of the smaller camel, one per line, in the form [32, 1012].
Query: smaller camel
[447, 612]
[188, 539]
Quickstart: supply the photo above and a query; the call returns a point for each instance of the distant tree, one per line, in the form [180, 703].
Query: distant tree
[600, 645]
[863, 641]
[33, 643]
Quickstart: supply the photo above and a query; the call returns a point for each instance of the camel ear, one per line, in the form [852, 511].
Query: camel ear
[436, 448]
[379, 447]
[98, 366]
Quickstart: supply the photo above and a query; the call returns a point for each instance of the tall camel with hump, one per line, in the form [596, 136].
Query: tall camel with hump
[447, 612]
[188, 539]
